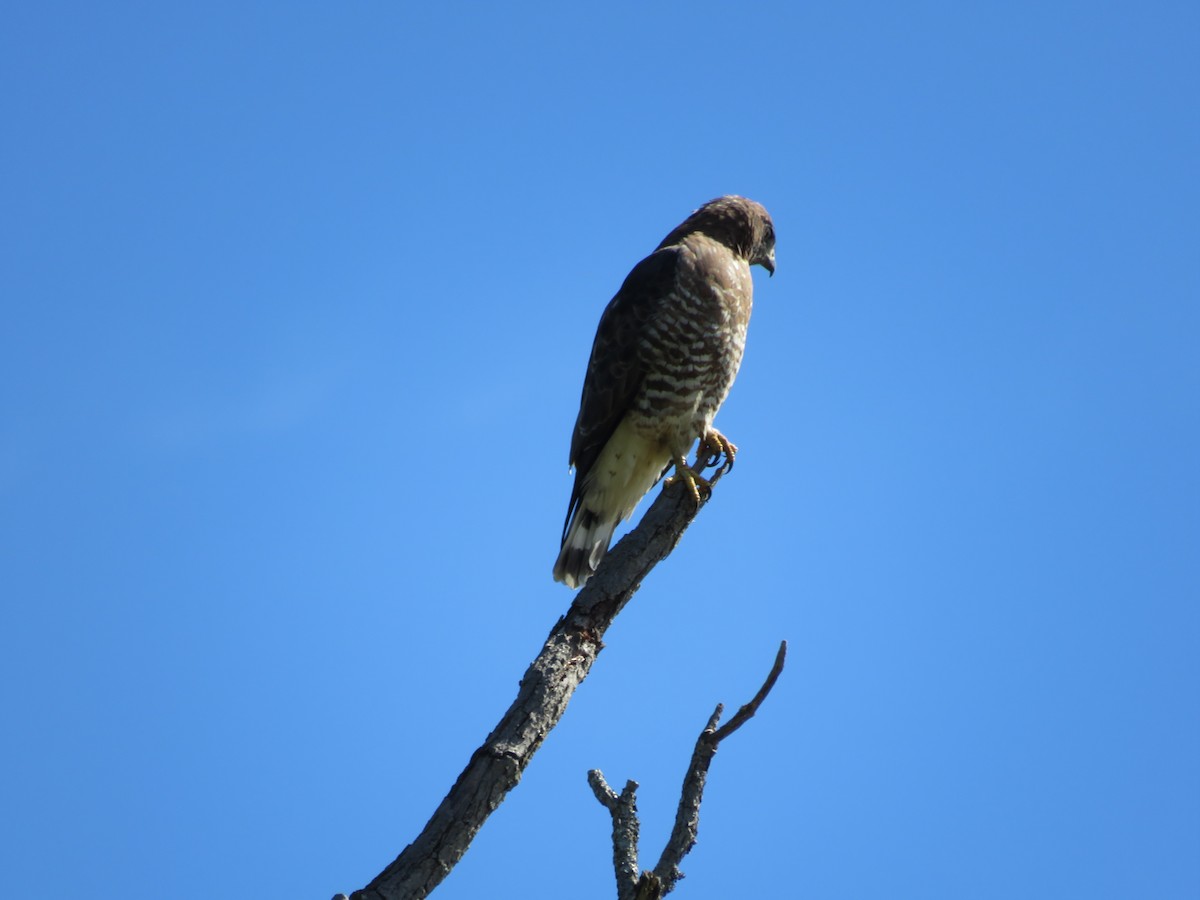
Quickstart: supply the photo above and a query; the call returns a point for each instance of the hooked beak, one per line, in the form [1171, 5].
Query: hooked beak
[769, 263]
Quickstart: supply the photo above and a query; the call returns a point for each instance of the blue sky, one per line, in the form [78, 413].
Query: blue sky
[297, 302]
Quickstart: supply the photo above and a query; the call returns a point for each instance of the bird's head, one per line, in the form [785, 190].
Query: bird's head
[740, 224]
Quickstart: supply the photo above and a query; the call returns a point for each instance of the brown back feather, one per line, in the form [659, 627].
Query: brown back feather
[614, 373]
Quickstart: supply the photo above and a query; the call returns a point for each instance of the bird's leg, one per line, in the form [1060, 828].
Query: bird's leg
[699, 486]
[714, 446]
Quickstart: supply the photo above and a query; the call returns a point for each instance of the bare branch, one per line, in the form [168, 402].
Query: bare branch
[624, 831]
[743, 715]
[606, 795]
[565, 660]
[687, 826]
[657, 883]
[687, 816]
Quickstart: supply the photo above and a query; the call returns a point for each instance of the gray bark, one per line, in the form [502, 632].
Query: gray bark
[656, 883]
[565, 660]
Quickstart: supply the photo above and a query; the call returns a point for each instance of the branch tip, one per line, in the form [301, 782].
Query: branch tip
[606, 795]
[748, 710]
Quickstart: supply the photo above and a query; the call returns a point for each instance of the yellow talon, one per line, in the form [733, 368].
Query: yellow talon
[699, 486]
[714, 446]
[715, 451]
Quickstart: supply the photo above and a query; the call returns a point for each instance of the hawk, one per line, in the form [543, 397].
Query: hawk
[666, 352]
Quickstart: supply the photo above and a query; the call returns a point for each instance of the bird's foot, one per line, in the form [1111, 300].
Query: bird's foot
[715, 451]
[699, 486]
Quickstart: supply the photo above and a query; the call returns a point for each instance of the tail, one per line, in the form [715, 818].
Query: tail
[604, 496]
[584, 545]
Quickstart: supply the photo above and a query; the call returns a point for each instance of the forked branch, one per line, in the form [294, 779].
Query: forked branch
[656, 883]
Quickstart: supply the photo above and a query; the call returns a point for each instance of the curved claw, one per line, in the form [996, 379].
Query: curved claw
[715, 451]
[714, 446]
[699, 486]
